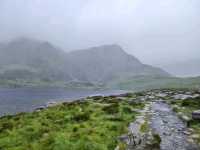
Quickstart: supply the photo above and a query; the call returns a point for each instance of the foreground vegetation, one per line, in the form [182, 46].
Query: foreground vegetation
[92, 124]
[97, 123]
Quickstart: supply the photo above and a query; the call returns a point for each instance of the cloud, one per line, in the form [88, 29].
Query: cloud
[156, 31]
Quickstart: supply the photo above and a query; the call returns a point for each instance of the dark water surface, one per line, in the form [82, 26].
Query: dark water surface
[26, 99]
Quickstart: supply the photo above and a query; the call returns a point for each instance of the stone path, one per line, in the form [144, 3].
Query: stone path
[171, 129]
[135, 139]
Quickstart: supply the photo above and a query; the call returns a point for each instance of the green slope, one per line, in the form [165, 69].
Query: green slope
[154, 82]
[93, 124]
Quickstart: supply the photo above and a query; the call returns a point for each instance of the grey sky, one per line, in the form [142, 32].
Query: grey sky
[158, 32]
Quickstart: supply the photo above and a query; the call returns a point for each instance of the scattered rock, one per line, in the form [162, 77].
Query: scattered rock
[186, 132]
[40, 108]
[51, 104]
[167, 133]
[196, 95]
[161, 95]
[185, 118]
[195, 136]
[173, 134]
[182, 96]
[196, 115]
[190, 140]
[190, 130]
[123, 138]
[165, 121]
[151, 97]
[188, 93]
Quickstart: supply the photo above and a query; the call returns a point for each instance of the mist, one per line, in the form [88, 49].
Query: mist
[160, 33]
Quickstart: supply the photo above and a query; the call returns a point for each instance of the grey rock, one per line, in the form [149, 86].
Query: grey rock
[40, 108]
[123, 138]
[196, 115]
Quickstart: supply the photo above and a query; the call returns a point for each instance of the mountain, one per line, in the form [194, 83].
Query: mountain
[30, 59]
[106, 62]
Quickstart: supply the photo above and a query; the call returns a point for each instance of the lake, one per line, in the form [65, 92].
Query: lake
[27, 99]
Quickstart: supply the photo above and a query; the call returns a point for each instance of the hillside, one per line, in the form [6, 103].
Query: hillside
[32, 60]
[138, 83]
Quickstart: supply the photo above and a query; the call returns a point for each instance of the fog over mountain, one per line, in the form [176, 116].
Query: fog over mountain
[30, 59]
[158, 32]
[184, 68]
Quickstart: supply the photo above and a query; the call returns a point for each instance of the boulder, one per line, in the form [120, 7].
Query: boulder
[195, 95]
[186, 132]
[196, 115]
[40, 108]
[186, 119]
[51, 104]
[182, 96]
[195, 136]
[161, 95]
[123, 138]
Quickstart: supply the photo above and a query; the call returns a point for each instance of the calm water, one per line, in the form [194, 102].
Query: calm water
[26, 99]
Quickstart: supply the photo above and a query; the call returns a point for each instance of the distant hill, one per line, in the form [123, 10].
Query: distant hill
[30, 59]
[139, 83]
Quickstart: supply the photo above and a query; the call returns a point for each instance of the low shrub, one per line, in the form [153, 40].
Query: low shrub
[81, 116]
[6, 126]
[185, 103]
[127, 109]
[112, 108]
[155, 144]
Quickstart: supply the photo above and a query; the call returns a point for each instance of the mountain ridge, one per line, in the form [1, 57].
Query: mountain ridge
[30, 59]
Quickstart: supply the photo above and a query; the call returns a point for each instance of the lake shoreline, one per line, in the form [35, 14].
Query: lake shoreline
[22, 100]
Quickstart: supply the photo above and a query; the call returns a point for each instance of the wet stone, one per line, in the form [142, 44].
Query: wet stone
[172, 133]
[186, 132]
[196, 115]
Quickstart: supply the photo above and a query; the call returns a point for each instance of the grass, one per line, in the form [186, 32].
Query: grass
[82, 125]
[186, 106]
[144, 128]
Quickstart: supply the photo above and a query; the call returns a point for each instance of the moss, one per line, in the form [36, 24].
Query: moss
[155, 144]
[83, 116]
[122, 146]
[175, 109]
[127, 109]
[144, 127]
[112, 108]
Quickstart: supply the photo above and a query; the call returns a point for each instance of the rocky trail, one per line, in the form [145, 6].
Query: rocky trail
[170, 128]
[162, 122]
